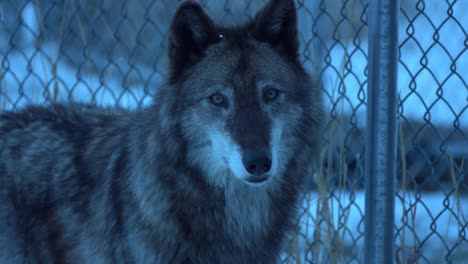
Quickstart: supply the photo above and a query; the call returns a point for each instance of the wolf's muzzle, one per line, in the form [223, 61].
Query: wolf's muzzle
[258, 163]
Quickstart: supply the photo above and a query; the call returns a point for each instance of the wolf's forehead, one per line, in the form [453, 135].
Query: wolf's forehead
[246, 64]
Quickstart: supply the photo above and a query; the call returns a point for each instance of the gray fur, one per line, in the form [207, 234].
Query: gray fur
[168, 184]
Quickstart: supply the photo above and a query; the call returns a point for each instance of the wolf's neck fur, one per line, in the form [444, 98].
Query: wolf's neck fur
[247, 212]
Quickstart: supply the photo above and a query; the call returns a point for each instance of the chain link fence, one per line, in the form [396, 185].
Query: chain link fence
[113, 53]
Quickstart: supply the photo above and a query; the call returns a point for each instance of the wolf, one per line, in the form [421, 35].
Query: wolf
[211, 172]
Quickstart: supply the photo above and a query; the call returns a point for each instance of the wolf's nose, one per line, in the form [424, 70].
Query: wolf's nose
[257, 162]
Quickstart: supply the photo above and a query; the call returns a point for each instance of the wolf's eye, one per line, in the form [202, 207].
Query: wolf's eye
[270, 94]
[218, 99]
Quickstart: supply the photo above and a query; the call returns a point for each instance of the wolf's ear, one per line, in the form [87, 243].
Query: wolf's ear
[276, 24]
[190, 33]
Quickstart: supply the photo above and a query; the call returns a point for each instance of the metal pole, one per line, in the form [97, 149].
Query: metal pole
[381, 142]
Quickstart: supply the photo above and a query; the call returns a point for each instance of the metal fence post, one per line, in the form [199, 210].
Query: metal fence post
[381, 131]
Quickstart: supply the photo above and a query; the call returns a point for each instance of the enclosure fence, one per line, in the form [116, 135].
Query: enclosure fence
[114, 53]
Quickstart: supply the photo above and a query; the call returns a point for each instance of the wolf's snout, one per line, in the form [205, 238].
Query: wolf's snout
[257, 162]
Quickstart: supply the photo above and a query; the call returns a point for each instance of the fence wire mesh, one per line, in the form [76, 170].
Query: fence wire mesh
[113, 53]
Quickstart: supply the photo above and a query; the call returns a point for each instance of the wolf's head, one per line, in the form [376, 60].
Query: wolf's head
[244, 105]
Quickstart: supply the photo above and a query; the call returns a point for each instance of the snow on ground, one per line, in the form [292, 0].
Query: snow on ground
[435, 223]
[420, 93]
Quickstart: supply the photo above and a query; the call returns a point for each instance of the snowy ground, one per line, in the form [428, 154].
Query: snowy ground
[435, 226]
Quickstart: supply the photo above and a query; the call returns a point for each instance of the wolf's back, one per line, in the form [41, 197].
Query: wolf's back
[40, 141]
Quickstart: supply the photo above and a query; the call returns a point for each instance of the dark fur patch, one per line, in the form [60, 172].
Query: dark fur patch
[192, 31]
[276, 24]
[119, 230]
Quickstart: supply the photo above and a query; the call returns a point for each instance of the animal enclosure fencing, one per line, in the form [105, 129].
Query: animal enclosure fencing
[113, 53]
